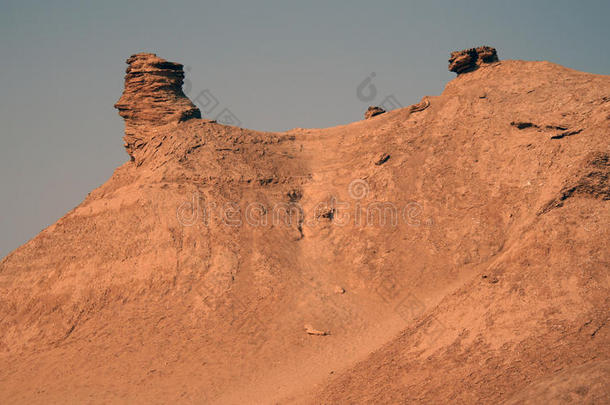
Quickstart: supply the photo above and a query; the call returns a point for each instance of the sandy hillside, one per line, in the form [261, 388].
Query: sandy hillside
[454, 251]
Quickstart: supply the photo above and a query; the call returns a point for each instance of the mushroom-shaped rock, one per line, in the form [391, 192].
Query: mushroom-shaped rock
[470, 59]
[373, 111]
[152, 97]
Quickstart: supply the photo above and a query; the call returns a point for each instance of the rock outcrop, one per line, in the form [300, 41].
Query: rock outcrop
[373, 111]
[152, 97]
[468, 60]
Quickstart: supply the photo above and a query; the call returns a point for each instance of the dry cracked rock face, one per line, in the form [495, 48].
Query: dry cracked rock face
[468, 60]
[152, 97]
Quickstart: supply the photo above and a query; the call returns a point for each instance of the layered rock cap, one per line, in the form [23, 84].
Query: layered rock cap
[468, 60]
[373, 111]
[152, 97]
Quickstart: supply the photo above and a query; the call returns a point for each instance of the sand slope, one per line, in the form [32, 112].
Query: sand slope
[473, 261]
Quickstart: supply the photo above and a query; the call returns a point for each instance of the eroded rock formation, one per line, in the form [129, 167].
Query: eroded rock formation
[373, 111]
[152, 97]
[470, 59]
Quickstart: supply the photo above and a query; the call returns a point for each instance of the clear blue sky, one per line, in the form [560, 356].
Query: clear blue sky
[276, 65]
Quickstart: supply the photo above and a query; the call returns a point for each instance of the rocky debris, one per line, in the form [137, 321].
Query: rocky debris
[421, 106]
[567, 133]
[384, 157]
[326, 213]
[492, 280]
[294, 195]
[550, 127]
[312, 331]
[523, 124]
[152, 97]
[373, 111]
[468, 60]
[557, 127]
[376, 110]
